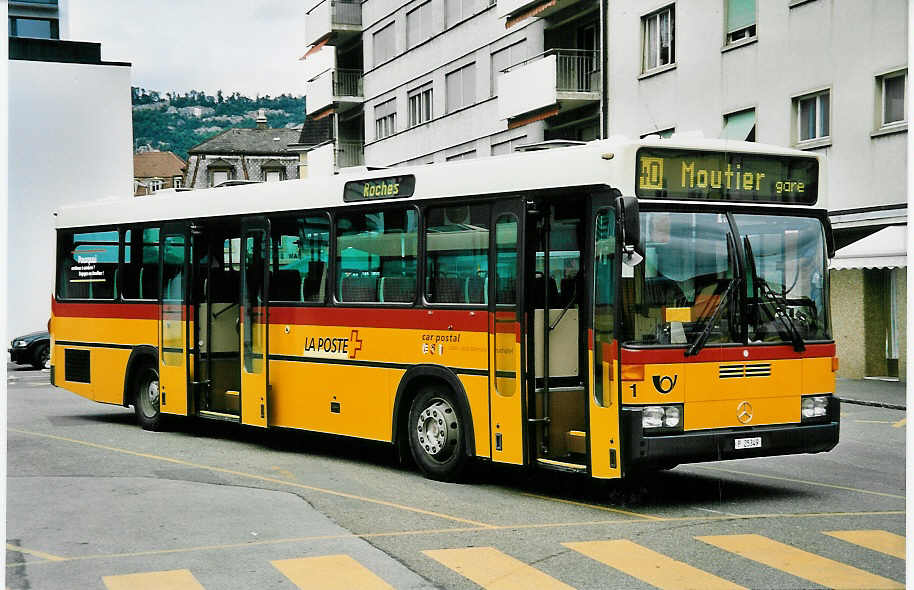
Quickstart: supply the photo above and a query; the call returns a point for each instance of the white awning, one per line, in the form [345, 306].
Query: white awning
[887, 248]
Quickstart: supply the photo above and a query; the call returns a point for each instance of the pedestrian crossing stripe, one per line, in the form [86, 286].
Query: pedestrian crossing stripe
[882, 541]
[649, 566]
[166, 580]
[494, 570]
[799, 563]
[330, 572]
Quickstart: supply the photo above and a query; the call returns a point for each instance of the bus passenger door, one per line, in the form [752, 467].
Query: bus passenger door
[604, 444]
[255, 274]
[175, 317]
[505, 299]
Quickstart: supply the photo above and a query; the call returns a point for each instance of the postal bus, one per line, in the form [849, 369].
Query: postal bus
[604, 308]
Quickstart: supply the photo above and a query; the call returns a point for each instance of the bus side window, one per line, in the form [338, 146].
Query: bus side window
[604, 292]
[88, 264]
[141, 263]
[457, 253]
[298, 271]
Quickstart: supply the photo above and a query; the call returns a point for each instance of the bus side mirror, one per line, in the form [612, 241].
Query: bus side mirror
[630, 225]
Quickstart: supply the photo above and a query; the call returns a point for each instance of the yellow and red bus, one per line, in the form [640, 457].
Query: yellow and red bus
[605, 308]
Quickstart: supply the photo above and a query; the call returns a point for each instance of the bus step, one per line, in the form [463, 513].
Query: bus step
[576, 441]
[210, 415]
[561, 465]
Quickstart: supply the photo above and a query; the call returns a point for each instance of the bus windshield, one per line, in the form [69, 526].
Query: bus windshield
[689, 289]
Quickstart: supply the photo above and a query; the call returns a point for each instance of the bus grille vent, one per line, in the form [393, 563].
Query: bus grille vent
[76, 365]
[753, 370]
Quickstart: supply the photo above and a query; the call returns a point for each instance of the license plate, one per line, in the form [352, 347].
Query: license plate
[748, 443]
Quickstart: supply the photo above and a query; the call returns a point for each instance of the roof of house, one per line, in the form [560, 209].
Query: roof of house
[248, 141]
[157, 165]
[315, 131]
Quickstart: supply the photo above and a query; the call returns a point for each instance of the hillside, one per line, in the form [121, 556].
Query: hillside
[176, 122]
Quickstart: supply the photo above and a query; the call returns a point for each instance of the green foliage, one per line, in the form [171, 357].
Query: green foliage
[168, 123]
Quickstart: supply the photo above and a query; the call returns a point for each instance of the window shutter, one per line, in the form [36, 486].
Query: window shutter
[738, 125]
[740, 14]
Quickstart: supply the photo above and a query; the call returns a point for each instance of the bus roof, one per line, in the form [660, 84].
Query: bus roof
[609, 162]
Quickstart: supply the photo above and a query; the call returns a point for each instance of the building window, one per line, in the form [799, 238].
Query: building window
[177, 182]
[658, 42]
[385, 119]
[219, 176]
[891, 88]
[384, 44]
[502, 59]
[460, 86]
[273, 175]
[462, 156]
[38, 28]
[739, 126]
[420, 105]
[155, 184]
[419, 24]
[812, 112]
[457, 10]
[740, 20]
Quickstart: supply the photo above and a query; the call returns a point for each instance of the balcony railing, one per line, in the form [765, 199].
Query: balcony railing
[350, 153]
[346, 12]
[347, 82]
[576, 70]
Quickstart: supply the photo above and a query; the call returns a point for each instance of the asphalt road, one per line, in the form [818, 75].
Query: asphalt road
[96, 502]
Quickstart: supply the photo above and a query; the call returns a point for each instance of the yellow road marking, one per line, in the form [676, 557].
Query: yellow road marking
[882, 541]
[799, 563]
[451, 531]
[330, 572]
[804, 481]
[257, 477]
[493, 570]
[34, 552]
[594, 506]
[649, 566]
[900, 423]
[168, 580]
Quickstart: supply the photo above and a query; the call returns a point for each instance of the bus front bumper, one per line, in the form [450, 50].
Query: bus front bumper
[720, 444]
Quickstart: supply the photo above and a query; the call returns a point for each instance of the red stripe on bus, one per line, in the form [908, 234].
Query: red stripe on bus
[127, 311]
[371, 317]
[728, 354]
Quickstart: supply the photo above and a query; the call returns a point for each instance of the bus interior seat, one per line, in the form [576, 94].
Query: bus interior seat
[506, 290]
[449, 290]
[355, 288]
[312, 287]
[397, 289]
[286, 286]
[477, 290]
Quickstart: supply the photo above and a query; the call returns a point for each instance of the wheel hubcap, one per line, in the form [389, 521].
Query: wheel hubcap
[152, 398]
[437, 429]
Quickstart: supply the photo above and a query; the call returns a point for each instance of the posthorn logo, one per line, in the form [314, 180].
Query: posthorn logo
[664, 384]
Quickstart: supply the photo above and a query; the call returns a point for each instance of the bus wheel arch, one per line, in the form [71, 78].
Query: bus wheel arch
[140, 357]
[414, 382]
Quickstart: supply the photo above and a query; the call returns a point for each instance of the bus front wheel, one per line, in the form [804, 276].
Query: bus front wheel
[146, 402]
[436, 434]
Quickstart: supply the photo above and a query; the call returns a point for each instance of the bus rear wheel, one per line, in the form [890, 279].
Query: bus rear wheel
[146, 400]
[436, 434]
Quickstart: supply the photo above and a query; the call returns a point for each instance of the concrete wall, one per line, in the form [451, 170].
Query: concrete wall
[842, 45]
[847, 321]
[71, 140]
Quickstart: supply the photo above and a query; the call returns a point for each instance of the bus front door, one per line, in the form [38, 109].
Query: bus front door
[255, 267]
[175, 319]
[505, 297]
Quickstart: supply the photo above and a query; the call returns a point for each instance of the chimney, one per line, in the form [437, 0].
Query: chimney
[261, 120]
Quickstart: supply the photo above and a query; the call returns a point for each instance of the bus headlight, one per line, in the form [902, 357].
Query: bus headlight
[661, 418]
[814, 407]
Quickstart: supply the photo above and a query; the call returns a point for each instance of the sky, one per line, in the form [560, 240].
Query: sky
[249, 46]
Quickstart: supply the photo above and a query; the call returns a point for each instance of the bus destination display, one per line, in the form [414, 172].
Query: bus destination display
[727, 176]
[393, 187]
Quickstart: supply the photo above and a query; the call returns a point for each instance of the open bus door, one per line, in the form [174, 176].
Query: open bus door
[175, 319]
[602, 278]
[255, 276]
[506, 355]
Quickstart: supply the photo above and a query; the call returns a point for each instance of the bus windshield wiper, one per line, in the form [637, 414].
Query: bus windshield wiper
[706, 330]
[780, 313]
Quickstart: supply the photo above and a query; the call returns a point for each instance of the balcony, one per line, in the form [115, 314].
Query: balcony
[340, 88]
[518, 10]
[332, 20]
[561, 78]
[350, 153]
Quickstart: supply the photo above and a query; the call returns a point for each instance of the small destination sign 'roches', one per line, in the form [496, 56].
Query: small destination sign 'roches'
[727, 176]
[392, 187]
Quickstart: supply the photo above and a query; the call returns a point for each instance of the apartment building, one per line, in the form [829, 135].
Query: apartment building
[37, 19]
[436, 80]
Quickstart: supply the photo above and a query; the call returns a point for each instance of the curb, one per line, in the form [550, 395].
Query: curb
[860, 402]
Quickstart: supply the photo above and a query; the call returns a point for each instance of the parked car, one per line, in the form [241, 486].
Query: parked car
[32, 349]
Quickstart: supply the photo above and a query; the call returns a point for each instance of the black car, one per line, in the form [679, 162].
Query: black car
[32, 349]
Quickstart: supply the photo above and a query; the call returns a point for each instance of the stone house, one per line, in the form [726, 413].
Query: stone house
[154, 171]
[260, 155]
